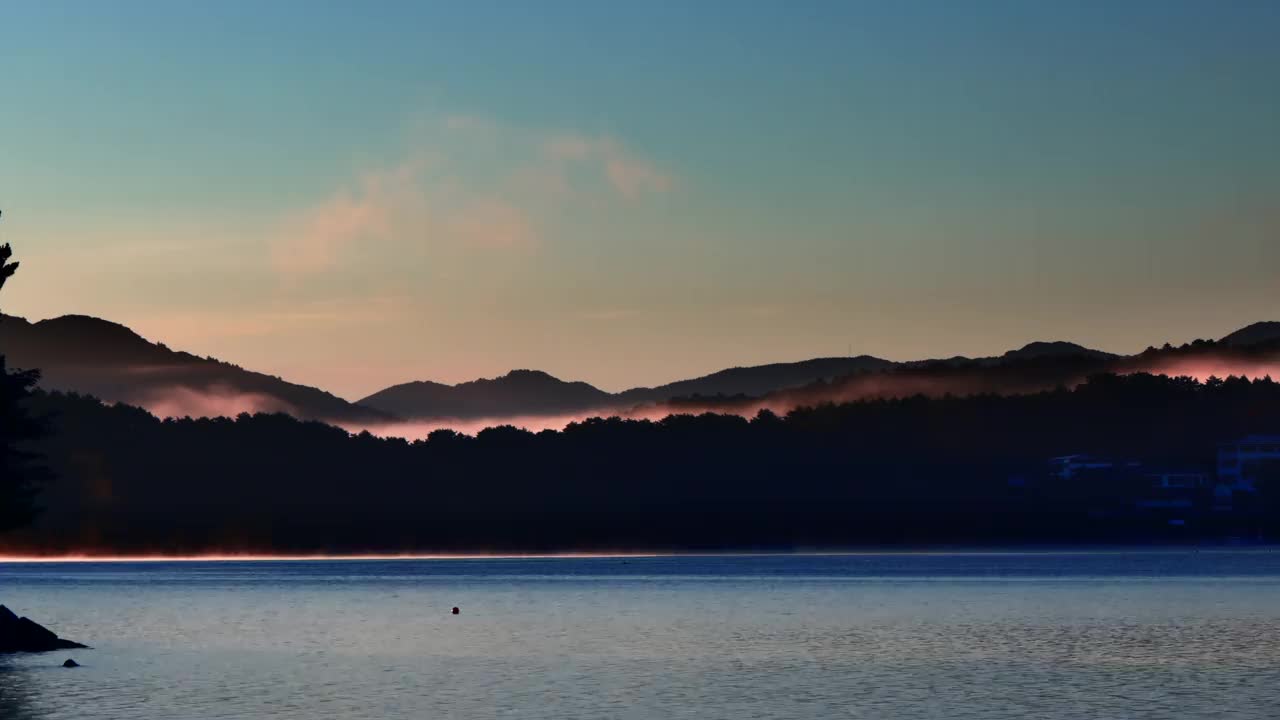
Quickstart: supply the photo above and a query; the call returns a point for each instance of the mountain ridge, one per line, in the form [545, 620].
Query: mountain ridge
[1254, 334]
[1054, 348]
[537, 392]
[109, 360]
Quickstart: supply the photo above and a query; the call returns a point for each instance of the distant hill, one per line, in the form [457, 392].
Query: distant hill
[77, 353]
[758, 380]
[1056, 349]
[110, 361]
[1255, 334]
[519, 392]
[1035, 367]
[1038, 351]
[532, 392]
[1030, 368]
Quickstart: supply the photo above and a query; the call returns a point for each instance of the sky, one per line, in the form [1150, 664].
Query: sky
[352, 195]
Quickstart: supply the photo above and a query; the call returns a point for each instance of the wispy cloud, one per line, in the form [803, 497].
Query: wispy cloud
[465, 182]
[493, 224]
[380, 205]
[313, 238]
[627, 173]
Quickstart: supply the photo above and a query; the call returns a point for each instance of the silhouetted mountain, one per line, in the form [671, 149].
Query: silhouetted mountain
[532, 392]
[758, 380]
[1056, 349]
[1014, 373]
[111, 362]
[1034, 367]
[519, 392]
[1255, 334]
[108, 360]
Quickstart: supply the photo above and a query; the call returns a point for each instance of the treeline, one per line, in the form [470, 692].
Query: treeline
[952, 470]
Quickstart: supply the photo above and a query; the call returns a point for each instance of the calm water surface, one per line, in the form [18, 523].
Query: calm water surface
[1070, 635]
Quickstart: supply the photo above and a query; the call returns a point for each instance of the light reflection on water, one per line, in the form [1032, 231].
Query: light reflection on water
[1079, 635]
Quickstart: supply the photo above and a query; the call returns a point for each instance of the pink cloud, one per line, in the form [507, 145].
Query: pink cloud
[321, 233]
[631, 176]
[568, 147]
[627, 173]
[494, 224]
[403, 203]
[314, 239]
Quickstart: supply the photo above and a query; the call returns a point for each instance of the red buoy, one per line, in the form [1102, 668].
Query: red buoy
[455, 611]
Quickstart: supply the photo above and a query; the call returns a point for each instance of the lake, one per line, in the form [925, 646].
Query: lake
[1154, 634]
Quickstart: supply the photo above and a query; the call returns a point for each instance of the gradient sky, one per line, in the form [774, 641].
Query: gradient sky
[358, 194]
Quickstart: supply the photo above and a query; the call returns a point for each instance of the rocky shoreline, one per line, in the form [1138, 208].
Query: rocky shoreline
[20, 634]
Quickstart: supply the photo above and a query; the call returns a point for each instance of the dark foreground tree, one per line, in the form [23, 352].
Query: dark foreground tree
[19, 468]
[19, 475]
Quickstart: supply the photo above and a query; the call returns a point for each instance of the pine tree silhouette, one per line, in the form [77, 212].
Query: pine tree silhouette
[19, 468]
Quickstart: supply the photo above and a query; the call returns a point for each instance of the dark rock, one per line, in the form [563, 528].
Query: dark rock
[23, 635]
[70, 663]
